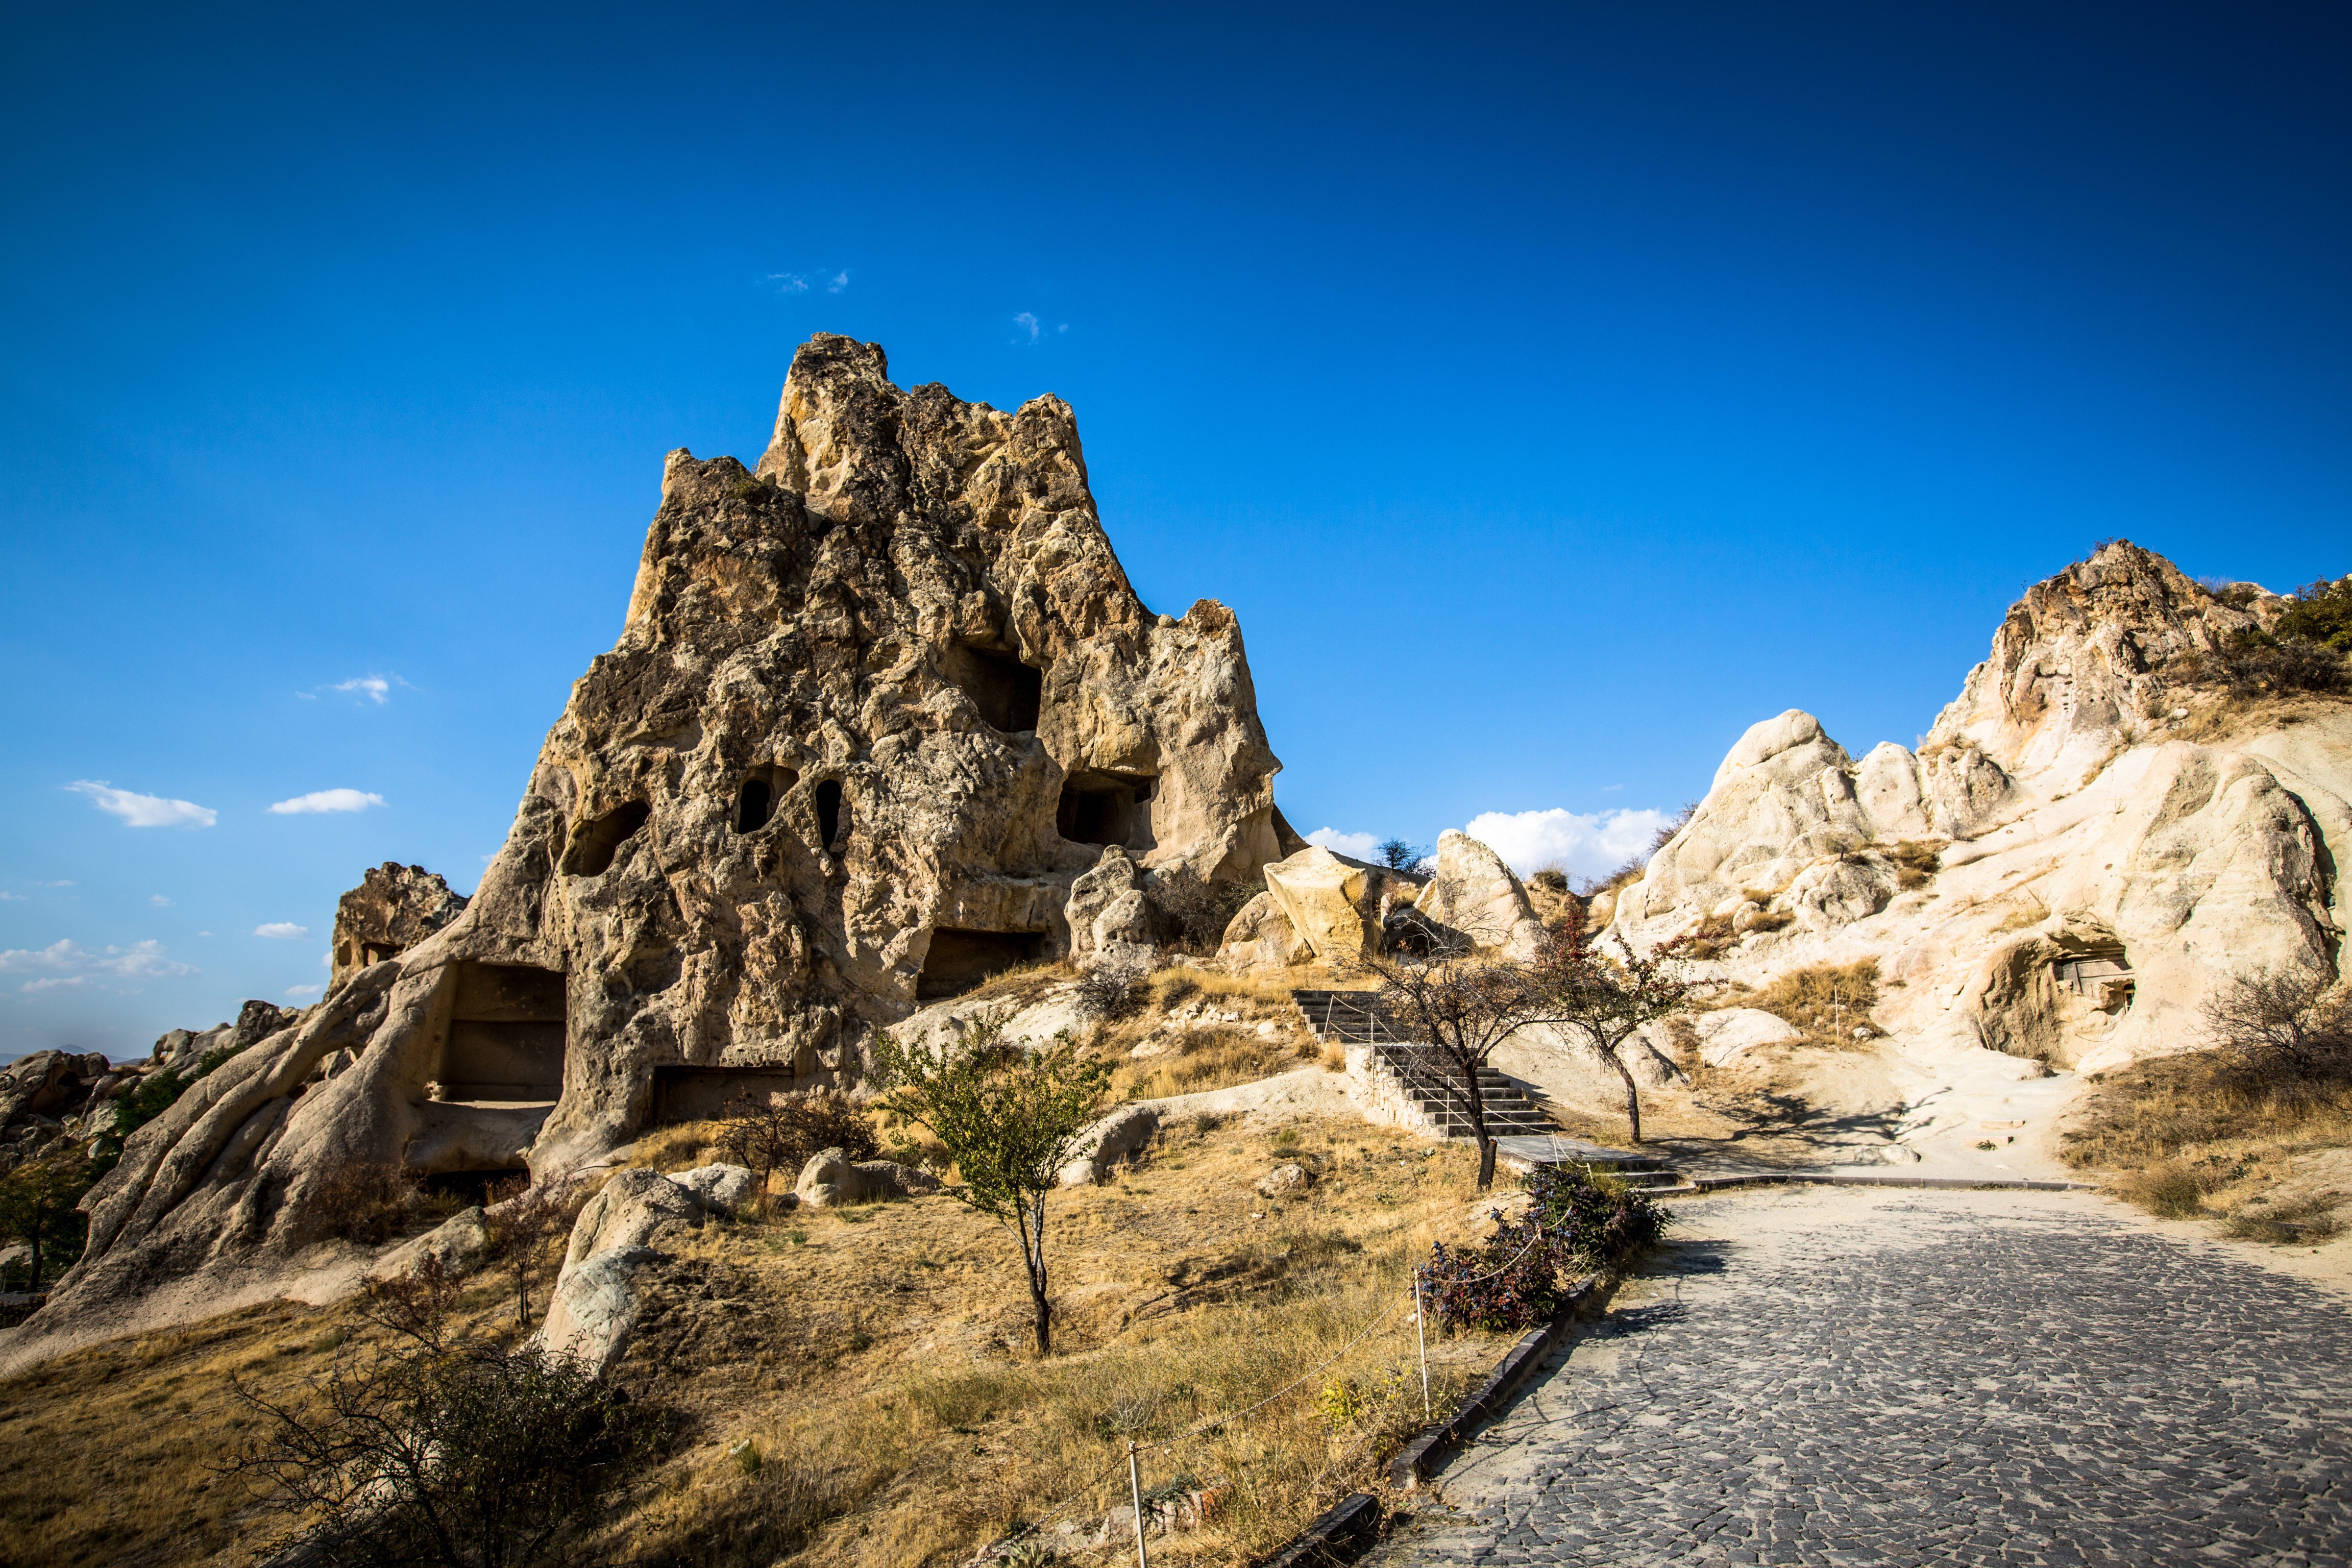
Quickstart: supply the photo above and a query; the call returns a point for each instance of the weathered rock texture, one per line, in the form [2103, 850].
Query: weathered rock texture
[878, 702]
[2055, 874]
[393, 908]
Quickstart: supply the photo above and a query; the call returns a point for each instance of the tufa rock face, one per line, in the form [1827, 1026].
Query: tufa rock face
[393, 908]
[2051, 876]
[876, 705]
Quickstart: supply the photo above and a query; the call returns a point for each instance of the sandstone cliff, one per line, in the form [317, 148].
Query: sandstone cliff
[877, 701]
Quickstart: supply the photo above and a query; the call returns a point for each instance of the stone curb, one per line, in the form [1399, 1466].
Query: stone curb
[1857, 1179]
[1339, 1536]
[1435, 1444]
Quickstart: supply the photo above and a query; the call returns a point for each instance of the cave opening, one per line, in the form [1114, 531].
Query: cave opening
[1105, 808]
[595, 842]
[1008, 693]
[960, 960]
[505, 1044]
[828, 812]
[755, 801]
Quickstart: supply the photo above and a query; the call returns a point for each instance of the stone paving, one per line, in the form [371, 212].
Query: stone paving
[1833, 1376]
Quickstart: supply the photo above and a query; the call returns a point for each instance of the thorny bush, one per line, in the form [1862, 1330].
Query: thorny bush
[1577, 1223]
[783, 1132]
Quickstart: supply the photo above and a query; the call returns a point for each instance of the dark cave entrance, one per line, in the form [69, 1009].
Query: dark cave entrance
[505, 1043]
[1105, 808]
[960, 960]
[473, 1188]
[755, 801]
[594, 843]
[1007, 692]
[829, 819]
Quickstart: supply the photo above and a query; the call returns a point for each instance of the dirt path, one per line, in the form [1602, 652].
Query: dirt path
[1833, 1376]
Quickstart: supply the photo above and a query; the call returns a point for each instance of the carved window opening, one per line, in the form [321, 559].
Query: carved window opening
[2104, 977]
[1105, 808]
[1007, 692]
[594, 843]
[755, 801]
[707, 1094]
[505, 1044]
[830, 819]
[960, 960]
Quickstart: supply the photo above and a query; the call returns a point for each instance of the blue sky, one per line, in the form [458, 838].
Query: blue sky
[1552, 392]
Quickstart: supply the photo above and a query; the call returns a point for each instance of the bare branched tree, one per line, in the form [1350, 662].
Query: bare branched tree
[2281, 1030]
[1606, 997]
[520, 1222]
[1460, 1004]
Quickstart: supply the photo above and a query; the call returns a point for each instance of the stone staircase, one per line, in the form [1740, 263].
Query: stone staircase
[1516, 1119]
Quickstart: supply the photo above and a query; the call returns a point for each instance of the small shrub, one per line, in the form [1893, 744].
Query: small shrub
[1112, 992]
[2259, 664]
[2288, 1223]
[1577, 1223]
[2171, 1191]
[1550, 879]
[1197, 912]
[2321, 614]
[1826, 1001]
[782, 1131]
[363, 1201]
[2283, 1032]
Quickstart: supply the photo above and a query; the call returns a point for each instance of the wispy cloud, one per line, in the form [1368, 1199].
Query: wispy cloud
[1587, 844]
[326, 800]
[801, 282]
[66, 959]
[144, 810]
[300, 991]
[55, 983]
[286, 929]
[837, 282]
[8, 898]
[159, 900]
[1028, 323]
[789, 282]
[373, 689]
[1355, 845]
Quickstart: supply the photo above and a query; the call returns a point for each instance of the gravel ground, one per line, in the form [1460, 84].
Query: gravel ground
[1822, 1375]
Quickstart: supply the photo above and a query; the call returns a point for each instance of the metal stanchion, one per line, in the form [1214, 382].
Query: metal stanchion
[1134, 1488]
[1420, 1332]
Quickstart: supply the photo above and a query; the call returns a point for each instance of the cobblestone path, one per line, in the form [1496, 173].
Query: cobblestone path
[1833, 1376]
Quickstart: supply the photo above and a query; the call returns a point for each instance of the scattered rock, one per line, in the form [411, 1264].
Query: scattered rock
[1108, 1141]
[1324, 897]
[1475, 894]
[393, 908]
[1285, 1179]
[831, 1179]
[723, 1189]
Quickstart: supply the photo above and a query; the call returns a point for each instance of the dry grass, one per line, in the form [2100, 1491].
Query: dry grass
[1826, 1003]
[2182, 1139]
[874, 1359]
[1915, 862]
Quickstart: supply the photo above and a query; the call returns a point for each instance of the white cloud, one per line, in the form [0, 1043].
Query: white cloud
[286, 929]
[55, 983]
[325, 800]
[53, 884]
[159, 900]
[143, 810]
[66, 958]
[1588, 844]
[1028, 323]
[789, 282]
[8, 898]
[304, 990]
[837, 282]
[374, 687]
[1355, 845]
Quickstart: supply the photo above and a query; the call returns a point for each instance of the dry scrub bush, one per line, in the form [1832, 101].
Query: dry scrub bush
[369, 1204]
[2177, 1131]
[782, 1131]
[1915, 862]
[1215, 1058]
[1826, 1002]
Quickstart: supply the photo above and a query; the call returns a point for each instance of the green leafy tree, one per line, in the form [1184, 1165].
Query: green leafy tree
[2321, 613]
[1010, 1116]
[37, 1212]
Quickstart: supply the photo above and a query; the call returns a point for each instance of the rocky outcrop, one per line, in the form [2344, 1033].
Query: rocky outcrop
[1261, 936]
[1474, 894]
[831, 1179]
[600, 1291]
[2053, 875]
[878, 701]
[1329, 903]
[393, 908]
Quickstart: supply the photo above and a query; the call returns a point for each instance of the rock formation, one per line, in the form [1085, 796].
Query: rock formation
[878, 702]
[2058, 873]
[393, 908]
